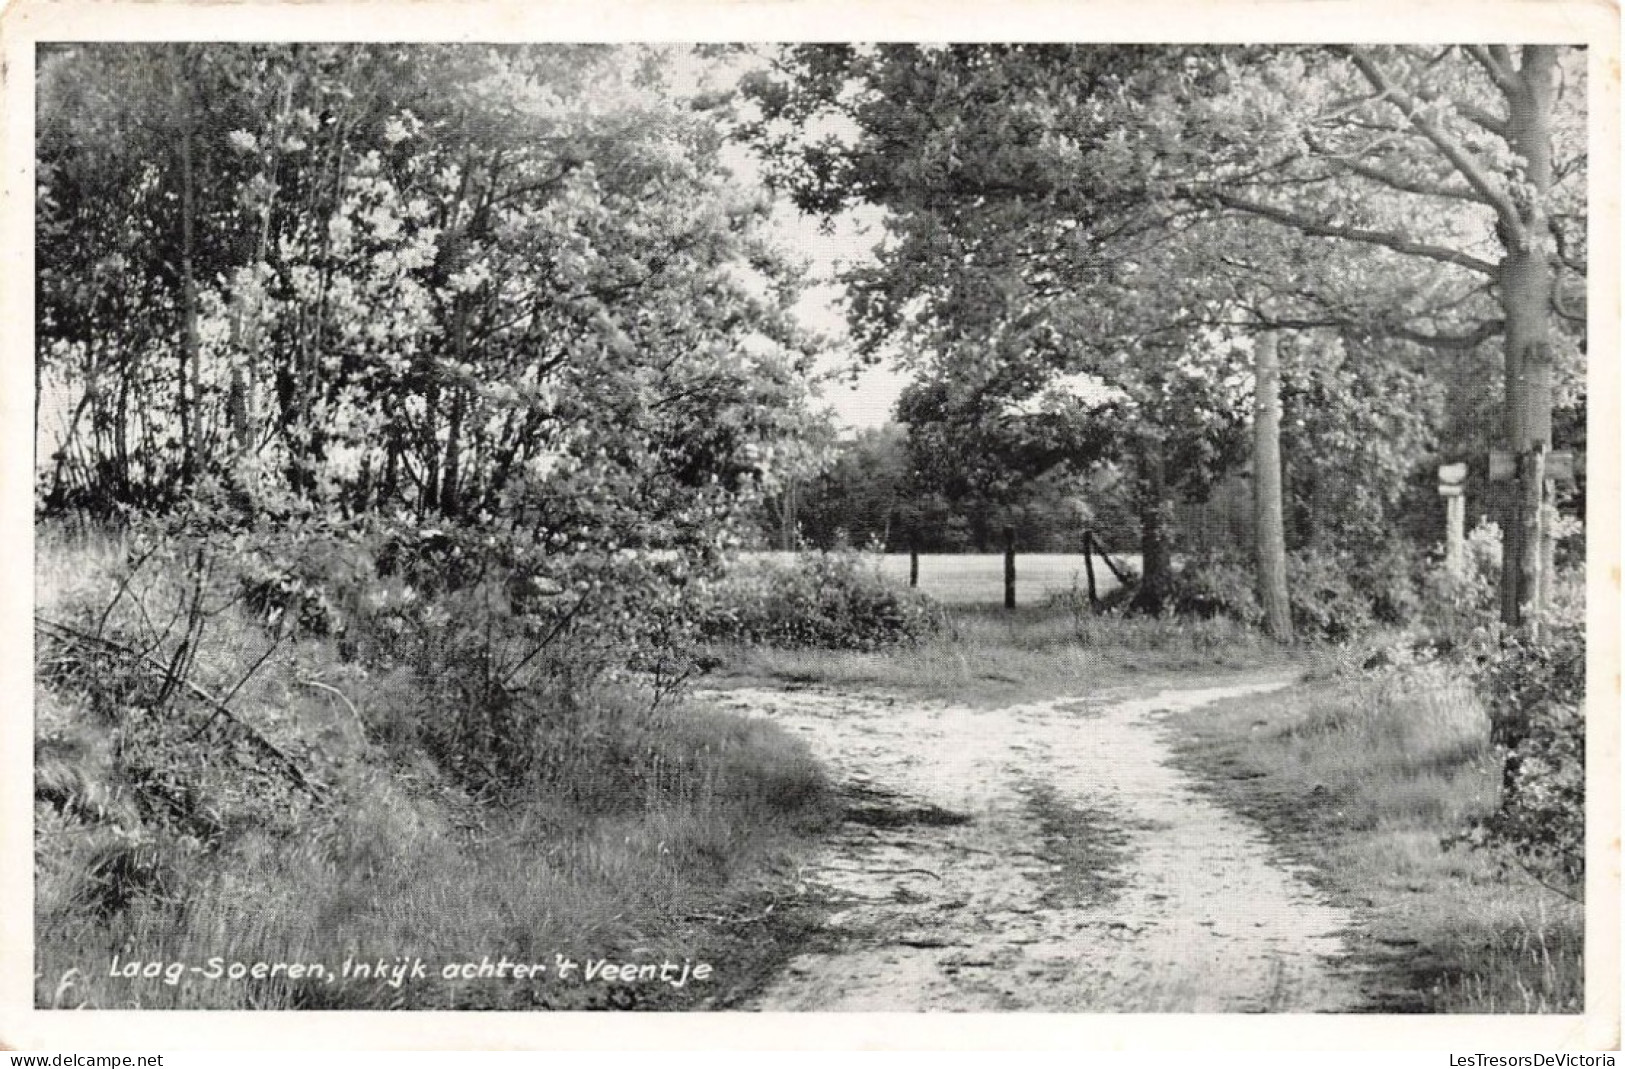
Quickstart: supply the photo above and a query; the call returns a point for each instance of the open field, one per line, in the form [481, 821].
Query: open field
[978, 578]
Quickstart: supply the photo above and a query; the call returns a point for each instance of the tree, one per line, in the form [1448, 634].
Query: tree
[1049, 166]
[512, 285]
[1269, 521]
[134, 210]
[1470, 159]
[855, 500]
[1007, 263]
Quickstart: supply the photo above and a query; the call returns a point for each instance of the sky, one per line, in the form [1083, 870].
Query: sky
[867, 399]
[858, 401]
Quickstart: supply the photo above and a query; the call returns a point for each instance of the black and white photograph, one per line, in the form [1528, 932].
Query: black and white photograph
[1091, 526]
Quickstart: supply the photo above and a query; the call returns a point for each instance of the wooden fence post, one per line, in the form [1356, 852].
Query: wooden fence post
[913, 566]
[1009, 567]
[1089, 567]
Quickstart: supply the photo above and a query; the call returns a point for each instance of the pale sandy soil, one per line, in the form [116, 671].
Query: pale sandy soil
[1044, 857]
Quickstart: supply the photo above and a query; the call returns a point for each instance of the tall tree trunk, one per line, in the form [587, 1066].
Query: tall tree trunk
[429, 492]
[1526, 295]
[121, 439]
[459, 405]
[389, 492]
[787, 516]
[187, 379]
[240, 400]
[1156, 527]
[1269, 521]
[451, 478]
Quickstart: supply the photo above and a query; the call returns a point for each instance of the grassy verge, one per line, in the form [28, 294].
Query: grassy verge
[169, 843]
[1363, 776]
[991, 656]
[1366, 778]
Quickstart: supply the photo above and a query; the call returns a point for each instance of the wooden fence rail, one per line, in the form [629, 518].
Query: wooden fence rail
[1091, 549]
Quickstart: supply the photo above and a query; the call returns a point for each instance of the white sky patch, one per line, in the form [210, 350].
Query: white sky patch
[1066, 390]
[859, 400]
[868, 401]
[863, 400]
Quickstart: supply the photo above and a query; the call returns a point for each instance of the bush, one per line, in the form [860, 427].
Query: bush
[818, 601]
[523, 662]
[1218, 587]
[1535, 691]
[1452, 606]
[1393, 578]
[1331, 594]
[1332, 597]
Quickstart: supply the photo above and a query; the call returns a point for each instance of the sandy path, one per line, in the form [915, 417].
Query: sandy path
[1044, 857]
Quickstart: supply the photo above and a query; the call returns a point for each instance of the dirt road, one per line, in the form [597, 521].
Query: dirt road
[1044, 857]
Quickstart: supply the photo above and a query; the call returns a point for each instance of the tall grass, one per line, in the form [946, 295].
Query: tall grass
[164, 836]
[1374, 777]
[993, 655]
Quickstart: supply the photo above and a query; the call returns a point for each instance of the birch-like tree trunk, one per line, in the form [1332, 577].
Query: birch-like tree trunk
[187, 378]
[1268, 515]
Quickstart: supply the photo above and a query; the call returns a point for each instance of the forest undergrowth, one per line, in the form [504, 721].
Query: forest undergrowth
[225, 781]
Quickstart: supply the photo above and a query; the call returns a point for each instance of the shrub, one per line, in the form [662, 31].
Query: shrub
[511, 731]
[1330, 593]
[1451, 606]
[1535, 690]
[1331, 596]
[1392, 578]
[433, 560]
[1218, 587]
[524, 660]
[818, 601]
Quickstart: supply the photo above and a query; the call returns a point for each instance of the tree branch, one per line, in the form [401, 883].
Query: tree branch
[152, 664]
[1560, 306]
[1464, 162]
[1453, 342]
[1495, 124]
[1394, 181]
[1563, 257]
[1368, 237]
[1497, 62]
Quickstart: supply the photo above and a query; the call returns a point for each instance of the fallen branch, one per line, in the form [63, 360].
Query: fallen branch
[904, 872]
[348, 704]
[717, 918]
[152, 664]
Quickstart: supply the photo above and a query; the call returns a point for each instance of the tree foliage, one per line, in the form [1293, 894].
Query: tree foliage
[428, 281]
[1064, 210]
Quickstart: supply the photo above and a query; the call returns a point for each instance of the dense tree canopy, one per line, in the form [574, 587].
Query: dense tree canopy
[455, 281]
[1104, 210]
